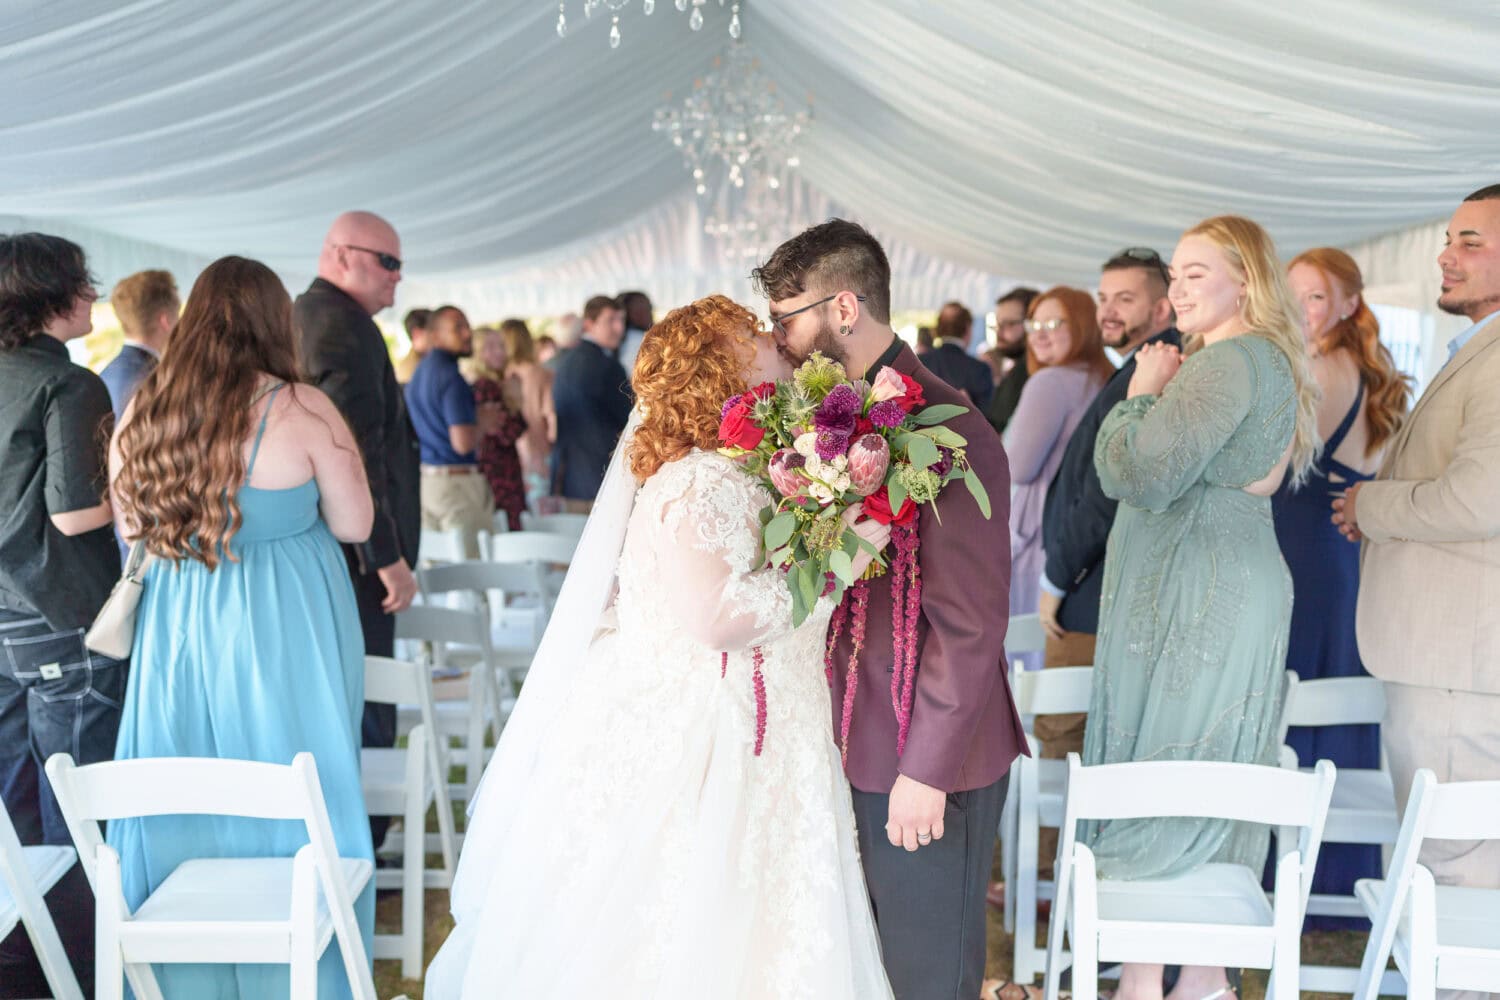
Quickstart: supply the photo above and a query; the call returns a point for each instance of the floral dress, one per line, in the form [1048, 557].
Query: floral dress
[498, 459]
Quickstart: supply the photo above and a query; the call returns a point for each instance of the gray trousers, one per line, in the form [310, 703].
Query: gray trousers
[929, 905]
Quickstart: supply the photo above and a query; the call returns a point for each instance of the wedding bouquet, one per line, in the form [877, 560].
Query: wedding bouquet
[822, 443]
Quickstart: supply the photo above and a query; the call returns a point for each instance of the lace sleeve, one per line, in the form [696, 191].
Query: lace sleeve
[709, 545]
[1151, 449]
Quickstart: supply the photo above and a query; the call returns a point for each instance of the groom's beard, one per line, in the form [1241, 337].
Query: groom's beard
[830, 343]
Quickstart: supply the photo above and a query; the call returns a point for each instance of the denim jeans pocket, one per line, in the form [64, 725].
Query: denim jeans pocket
[75, 695]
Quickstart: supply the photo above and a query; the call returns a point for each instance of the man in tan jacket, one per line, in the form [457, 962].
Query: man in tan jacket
[1429, 600]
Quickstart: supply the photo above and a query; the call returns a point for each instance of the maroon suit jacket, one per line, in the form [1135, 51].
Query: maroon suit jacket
[965, 731]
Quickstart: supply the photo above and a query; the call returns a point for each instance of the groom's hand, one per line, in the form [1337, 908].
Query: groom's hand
[916, 816]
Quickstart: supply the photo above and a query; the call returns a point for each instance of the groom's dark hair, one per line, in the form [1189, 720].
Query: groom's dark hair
[829, 258]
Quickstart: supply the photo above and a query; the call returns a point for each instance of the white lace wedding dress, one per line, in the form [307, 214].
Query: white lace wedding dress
[652, 855]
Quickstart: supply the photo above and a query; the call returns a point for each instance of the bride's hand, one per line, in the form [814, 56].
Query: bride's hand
[877, 534]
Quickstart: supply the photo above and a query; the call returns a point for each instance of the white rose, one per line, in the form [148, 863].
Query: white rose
[807, 445]
[821, 493]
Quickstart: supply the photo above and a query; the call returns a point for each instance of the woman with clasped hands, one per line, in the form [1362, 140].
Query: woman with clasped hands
[1197, 600]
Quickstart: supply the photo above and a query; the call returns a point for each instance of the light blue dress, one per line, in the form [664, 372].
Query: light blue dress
[258, 659]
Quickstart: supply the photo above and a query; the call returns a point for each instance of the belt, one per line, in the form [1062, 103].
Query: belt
[450, 470]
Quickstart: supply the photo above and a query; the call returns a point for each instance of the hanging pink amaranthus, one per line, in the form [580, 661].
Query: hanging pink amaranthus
[906, 607]
[759, 678]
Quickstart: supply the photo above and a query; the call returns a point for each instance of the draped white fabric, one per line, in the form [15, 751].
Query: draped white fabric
[986, 140]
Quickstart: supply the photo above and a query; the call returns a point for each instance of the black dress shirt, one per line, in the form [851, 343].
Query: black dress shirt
[1077, 516]
[1007, 396]
[55, 424]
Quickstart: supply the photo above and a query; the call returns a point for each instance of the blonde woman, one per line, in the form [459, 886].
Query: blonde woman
[535, 383]
[1197, 598]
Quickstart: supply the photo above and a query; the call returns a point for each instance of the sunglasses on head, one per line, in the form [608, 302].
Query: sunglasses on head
[1148, 256]
[385, 260]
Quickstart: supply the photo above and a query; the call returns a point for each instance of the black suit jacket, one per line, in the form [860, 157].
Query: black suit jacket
[592, 396]
[966, 373]
[1007, 396]
[344, 354]
[122, 375]
[1077, 516]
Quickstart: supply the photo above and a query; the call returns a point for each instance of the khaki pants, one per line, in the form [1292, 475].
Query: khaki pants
[463, 502]
[1457, 735]
[1061, 734]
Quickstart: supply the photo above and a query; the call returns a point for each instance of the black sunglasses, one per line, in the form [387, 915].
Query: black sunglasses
[1148, 256]
[385, 260]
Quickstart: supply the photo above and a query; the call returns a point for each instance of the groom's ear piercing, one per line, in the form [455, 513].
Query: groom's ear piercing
[844, 331]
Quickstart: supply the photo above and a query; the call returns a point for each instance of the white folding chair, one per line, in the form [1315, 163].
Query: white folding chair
[561, 523]
[26, 875]
[1024, 634]
[1443, 937]
[404, 781]
[281, 911]
[1215, 915]
[550, 553]
[446, 632]
[494, 588]
[1035, 800]
[1363, 810]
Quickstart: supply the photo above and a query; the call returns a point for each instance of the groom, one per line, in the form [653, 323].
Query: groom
[928, 818]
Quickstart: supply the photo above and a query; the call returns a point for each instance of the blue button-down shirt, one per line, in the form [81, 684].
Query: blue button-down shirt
[1457, 343]
[438, 398]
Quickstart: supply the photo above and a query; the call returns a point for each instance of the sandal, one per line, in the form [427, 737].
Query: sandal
[1000, 989]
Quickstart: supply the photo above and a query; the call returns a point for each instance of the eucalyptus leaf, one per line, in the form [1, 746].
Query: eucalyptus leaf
[799, 606]
[937, 414]
[981, 495]
[922, 452]
[897, 495]
[944, 436]
[811, 580]
[779, 531]
[842, 566]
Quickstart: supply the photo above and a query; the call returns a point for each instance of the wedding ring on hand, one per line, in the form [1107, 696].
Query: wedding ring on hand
[924, 839]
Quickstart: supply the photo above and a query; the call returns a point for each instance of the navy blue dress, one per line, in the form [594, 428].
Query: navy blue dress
[1325, 584]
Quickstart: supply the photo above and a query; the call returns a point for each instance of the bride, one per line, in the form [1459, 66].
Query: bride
[629, 839]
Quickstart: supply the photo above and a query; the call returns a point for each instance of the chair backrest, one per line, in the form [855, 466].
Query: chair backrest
[1461, 810]
[557, 524]
[398, 682]
[442, 546]
[533, 547]
[1337, 701]
[481, 576]
[443, 625]
[18, 887]
[1025, 635]
[1053, 691]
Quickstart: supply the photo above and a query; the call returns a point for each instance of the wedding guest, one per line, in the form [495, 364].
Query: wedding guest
[501, 396]
[58, 561]
[1065, 355]
[546, 351]
[638, 319]
[950, 359]
[1363, 404]
[535, 381]
[1431, 562]
[146, 305]
[1133, 310]
[415, 322]
[1010, 340]
[449, 429]
[247, 642]
[593, 399]
[1197, 599]
[344, 355]
[566, 334]
[925, 342]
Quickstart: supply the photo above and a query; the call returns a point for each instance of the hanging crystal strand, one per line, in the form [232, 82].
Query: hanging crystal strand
[562, 20]
[682, 4]
[696, 21]
[614, 33]
[647, 6]
[734, 21]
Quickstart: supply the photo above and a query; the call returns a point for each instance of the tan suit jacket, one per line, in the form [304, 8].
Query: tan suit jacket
[1429, 596]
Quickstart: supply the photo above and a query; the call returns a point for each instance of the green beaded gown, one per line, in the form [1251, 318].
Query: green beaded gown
[1197, 600]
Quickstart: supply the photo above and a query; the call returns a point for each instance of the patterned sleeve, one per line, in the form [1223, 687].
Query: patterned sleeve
[709, 533]
[1152, 449]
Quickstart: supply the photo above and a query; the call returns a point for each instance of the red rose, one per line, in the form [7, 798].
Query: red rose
[878, 508]
[862, 427]
[763, 391]
[912, 397]
[738, 430]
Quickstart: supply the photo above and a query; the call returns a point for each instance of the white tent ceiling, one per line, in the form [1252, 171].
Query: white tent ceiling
[983, 139]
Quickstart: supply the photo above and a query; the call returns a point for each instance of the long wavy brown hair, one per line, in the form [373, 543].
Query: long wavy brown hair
[182, 459]
[1387, 389]
[1083, 320]
[689, 364]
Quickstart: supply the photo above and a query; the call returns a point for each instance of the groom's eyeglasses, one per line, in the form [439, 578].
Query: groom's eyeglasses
[778, 323]
[385, 260]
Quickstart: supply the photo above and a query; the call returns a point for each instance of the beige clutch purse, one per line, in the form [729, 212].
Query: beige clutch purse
[113, 631]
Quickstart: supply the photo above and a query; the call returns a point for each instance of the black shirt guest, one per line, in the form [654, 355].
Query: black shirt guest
[593, 398]
[1010, 341]
[344, 354]
[950, 359]
[58, 561]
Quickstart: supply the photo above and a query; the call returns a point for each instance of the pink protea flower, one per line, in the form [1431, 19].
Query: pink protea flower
[869, 458]
[783, 471]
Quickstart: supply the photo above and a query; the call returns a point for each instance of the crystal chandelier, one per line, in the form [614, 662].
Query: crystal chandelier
[613, 7]
[734, 121]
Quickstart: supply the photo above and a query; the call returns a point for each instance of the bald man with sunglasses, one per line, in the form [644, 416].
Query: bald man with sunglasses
[344, 354]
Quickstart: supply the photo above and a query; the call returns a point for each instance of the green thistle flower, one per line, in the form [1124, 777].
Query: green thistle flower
[823, 534]
[922, 485]
[763, 411]
[818, 375]
[797, 408]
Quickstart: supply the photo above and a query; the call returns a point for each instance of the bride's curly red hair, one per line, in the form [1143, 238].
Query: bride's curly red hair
[689, 364]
